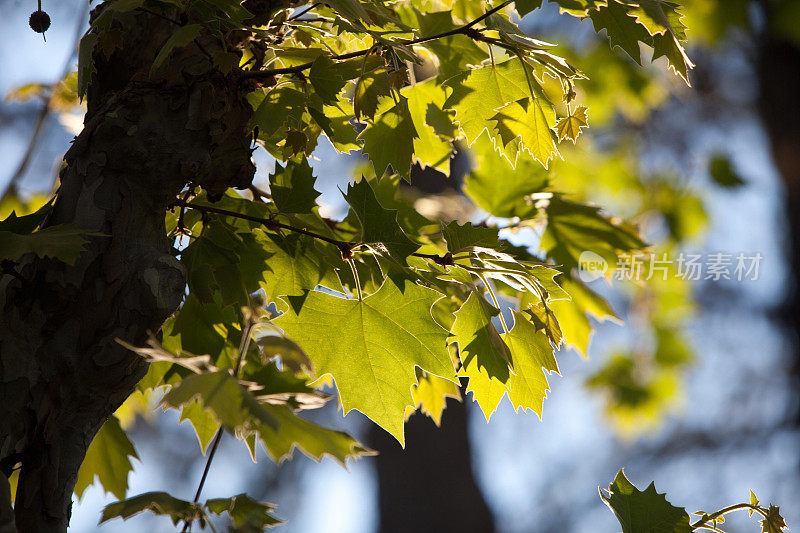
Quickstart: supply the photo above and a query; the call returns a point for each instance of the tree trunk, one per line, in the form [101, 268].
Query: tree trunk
[62, 371]
[429, 485]
[778, 68]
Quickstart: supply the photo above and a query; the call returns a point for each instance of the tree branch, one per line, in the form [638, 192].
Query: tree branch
[466, 29]
[345, 247]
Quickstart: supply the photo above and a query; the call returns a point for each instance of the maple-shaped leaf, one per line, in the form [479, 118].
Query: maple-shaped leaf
[574, 228]
[659, 16]
[292, 186]
[574, 313]
[579, 8]
[528, 121]
[479, 93]
[570, 126]
[467, 236]
[158, 503]
[773, 522]
[623, 30]
[484, 354]
[524, 7]
[64, 242]
[327, 79]
[456, 53]
[275, 108]
[203, 422]
[379, 226]
[431, 122]
[109, 459]
[497, 188]
[531, 354]
[232, 405]
[245, 511]
[647, 510]
[371, 347]
[431, 394]
[373, 84]
[295, 264]
[389, 140]
[313, 440]
[667, 45]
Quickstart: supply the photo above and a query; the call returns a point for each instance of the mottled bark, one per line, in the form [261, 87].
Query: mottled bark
[62, 372]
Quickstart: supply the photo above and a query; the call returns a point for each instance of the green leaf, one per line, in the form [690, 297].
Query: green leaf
[639, 511]
[203, 422]
[722, 171]
[86, 68]
[622, 28]
[528, 122]
[219, 392]
[773, 522]
[667, 45]
[159, 503]
[479, 93]
[570, 126]
[498, 188]
[244, 511]
[526, 6]
[295, 264]
[182, 37]
[431, 393]
[659, 17]
[753, 501]
[292, 187]
[379, 227]
[28, 223]
[456, 53]
[276, 108]
[465, 237]
[376, 346]
[432, 123]
[484, 354]
[572, 314]
[574, 228]
[232, 8]
[313, 440]
[108, 459]
[373, 84]
[327, 79]
[579, 8]
[531, 354]
[389, 140]
[64, 242]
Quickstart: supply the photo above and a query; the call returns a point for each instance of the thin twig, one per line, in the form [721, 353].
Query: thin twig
[244, 346]
[344, 247]
[466, 29]
[726, 510]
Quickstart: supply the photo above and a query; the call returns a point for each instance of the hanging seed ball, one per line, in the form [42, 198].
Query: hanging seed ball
[39, 21]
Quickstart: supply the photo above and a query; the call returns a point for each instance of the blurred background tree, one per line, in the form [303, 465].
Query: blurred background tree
[660, 154]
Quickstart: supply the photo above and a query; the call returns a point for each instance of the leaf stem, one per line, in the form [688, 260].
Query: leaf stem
[356, 279]
[466, 29]
[495, 301]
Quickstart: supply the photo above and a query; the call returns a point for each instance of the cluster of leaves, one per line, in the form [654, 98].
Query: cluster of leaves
[648, 510]
[417, 304]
